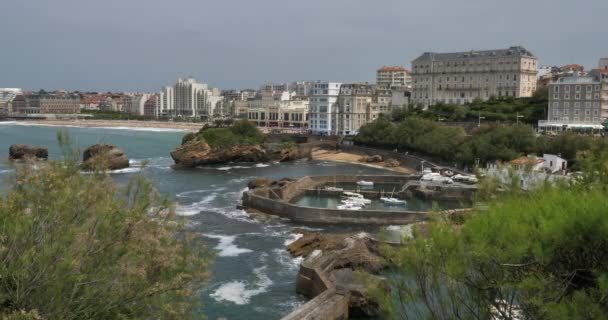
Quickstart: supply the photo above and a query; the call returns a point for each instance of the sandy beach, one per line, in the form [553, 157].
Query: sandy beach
[181, 126]
[339, 156]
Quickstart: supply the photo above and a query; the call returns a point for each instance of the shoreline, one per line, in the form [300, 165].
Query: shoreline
[353, 158]
[117, 124]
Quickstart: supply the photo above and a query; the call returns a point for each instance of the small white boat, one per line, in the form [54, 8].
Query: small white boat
[364, 183]
[353, 194]
[393, 201]
[334, 189]
[356, 200]
[349, 207]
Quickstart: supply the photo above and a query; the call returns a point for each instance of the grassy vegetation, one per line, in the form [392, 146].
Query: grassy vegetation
[241, 132]
[77, 246]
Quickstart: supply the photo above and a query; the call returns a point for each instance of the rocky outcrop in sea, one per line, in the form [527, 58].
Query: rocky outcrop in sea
[196, 153]
[25, 152]
[104, 156]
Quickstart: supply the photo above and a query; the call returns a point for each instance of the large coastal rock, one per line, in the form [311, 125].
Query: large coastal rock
[196, 153]
[105, 156]
[282, 152]
[25, 152]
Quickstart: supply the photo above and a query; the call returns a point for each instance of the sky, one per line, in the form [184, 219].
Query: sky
[141, 45]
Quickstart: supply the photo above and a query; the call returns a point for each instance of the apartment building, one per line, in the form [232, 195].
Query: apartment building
[577, 102]
[165, 102]
[150, 106]
[352, 108]
[460, 77]
[393, 77]
[323, 99]
[195, 99]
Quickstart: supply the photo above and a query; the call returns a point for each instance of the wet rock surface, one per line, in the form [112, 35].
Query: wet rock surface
[104, 156]
[25, 152]
[197, 153]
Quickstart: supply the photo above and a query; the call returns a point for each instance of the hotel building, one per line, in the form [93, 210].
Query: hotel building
[323, 99]
[460, 77]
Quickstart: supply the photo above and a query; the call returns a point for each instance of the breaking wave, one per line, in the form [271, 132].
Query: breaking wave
[240, 292]
[226, 246]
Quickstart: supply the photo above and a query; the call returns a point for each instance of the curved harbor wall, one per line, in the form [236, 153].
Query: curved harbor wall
[276, 201]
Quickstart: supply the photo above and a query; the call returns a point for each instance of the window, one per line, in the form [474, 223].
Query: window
[565, 112]
[566, 88]
[567, 96]
[577, 104]
[566, 104]
[577, 96]
[578, 88]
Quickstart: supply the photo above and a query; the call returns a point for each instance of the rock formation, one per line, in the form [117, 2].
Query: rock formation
[282, 153]
[391, 163]
[105, 156]
[372, 159]
[196, 153]
[25, 152]
[332, 262]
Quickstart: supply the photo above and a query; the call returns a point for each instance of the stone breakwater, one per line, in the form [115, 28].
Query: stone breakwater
[328, 275]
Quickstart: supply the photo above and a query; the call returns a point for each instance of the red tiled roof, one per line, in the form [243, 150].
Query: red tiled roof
[605, 71]
[575, 67]
[393, 69]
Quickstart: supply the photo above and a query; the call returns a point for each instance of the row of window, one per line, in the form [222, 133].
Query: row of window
[585, 119]
[577, 88]
[565, 112]
[566, 104]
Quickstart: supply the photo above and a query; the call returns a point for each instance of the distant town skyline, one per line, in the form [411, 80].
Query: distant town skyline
[143, 45]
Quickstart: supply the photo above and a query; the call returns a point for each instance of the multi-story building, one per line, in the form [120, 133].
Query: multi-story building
[150, 106]
[46, 103]
[359, 104]
[191, 98]
[393, 77]
[577, 102]
[165, 102]
[7, 95]
[269, 111]
[460, 77]
[323, 99]
[137, 103]
[112, 102]
[352, 108]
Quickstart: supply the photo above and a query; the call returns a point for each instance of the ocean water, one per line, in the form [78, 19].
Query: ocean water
[253, 276]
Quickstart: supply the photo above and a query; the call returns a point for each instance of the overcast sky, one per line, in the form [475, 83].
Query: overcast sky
[141, 45]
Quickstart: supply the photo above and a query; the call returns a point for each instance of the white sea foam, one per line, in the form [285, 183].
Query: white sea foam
[6, 171]
[188, 194]
[285, 259]
[196, 207]
[226, 246]
[262, 165]
[293, 238]
[125, 170]
[241, 292]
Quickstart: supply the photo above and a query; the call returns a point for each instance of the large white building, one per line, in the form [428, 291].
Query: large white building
[138, 102]
[323, 99]
[165, 102]
[460, 77]
[190, 99]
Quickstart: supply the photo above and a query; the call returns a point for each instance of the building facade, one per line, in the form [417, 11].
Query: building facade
[393, 77]
[460, 77]
[268, 111]
[352, 108]
[46, 103]
[165, 102]
[7, 95]
[577, 102]
[323, 100]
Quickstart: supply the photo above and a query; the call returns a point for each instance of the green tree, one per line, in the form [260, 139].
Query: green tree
[526, 255]
[77, 246]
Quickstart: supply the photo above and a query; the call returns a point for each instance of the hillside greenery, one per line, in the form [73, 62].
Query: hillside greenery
[523, 255]
[500, 110]
[77, 246]
[489, 142]
[241, 132]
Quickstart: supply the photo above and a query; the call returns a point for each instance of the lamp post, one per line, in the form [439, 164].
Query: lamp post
[479, 119]
[518, 116]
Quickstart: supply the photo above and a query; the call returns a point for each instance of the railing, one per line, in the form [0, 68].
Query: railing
[544, 123]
